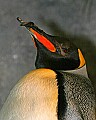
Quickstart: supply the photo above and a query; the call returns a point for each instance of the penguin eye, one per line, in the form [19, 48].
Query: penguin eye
[65, 50]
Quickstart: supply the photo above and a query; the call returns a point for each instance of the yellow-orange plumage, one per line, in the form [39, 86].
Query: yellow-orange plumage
[34, 97]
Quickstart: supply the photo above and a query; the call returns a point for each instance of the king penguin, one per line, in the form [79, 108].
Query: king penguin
[59, 89]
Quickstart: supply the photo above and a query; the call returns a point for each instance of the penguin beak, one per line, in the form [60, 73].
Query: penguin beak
[43, 40]
[37, 34]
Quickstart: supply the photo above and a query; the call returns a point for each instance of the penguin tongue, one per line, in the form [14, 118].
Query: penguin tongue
[37, 33]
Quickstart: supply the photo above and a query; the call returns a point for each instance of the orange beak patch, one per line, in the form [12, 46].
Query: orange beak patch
[43, 40]
[82, 60]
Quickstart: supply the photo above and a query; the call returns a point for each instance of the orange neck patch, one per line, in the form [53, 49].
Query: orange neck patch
[82, 60]
[43, 40]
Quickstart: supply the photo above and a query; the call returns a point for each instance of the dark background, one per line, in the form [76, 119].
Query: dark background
[74, 18]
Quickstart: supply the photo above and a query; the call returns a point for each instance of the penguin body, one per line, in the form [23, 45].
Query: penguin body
[57, 89]
[35, 97]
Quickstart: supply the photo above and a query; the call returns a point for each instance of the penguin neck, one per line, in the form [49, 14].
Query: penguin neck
[82, 71]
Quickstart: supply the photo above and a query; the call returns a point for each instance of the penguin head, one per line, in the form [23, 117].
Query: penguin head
[54, 52]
